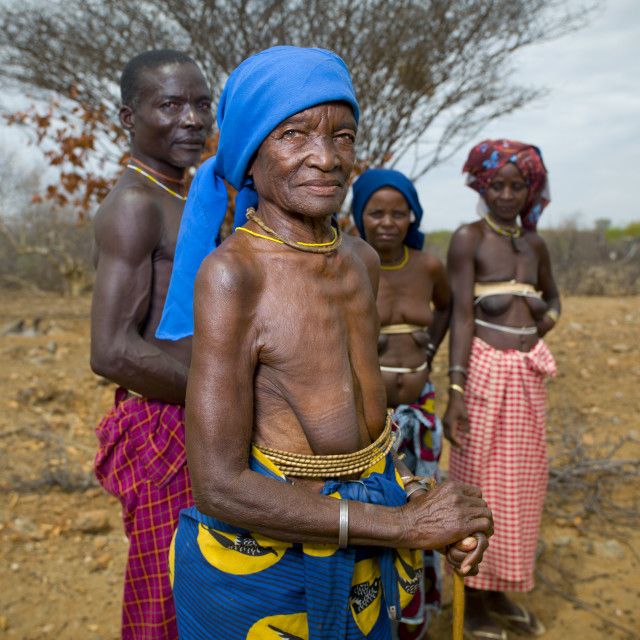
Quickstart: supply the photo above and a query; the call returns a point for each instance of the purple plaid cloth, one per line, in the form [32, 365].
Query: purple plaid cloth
[142, 461]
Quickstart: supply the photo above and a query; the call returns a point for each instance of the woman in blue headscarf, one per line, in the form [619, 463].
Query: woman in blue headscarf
[302, 526]
[413, 305]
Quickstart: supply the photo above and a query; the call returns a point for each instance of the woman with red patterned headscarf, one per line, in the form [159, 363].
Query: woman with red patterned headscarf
[504, 300]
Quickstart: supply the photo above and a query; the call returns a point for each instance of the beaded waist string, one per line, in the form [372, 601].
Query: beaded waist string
[332, 466]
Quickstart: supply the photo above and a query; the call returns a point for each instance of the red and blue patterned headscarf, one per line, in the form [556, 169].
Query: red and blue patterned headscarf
[488, 157]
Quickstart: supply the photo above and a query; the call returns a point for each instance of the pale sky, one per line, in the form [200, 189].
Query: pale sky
[587, 127]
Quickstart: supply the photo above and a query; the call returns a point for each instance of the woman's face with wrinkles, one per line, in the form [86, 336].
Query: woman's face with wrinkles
[303, 166]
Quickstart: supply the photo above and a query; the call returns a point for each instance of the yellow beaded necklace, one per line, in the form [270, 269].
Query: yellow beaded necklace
[310, 247]
[513, 233]
[150, 177]
[509, 232]
[400, 265]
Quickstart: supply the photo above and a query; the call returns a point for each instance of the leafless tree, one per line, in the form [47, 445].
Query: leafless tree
[429, 73]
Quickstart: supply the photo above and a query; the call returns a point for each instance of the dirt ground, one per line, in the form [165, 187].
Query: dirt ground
[62, 549]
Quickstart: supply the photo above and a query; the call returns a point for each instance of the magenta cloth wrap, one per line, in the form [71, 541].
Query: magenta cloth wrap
[142, 461]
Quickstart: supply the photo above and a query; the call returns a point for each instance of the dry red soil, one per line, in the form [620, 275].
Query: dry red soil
[61, 543]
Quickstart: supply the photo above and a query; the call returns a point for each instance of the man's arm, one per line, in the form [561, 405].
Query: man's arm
[126, 236]
[220, 409]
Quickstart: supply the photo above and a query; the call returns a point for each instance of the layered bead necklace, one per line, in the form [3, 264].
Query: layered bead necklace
[144, 173]
[507, 232]
[273, 236]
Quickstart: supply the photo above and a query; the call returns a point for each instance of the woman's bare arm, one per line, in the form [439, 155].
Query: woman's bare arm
[461, 268]
[441, 300]
[546, 284]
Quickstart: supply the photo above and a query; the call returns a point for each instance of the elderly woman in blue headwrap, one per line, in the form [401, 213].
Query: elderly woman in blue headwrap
[302, 526]
[413, 305]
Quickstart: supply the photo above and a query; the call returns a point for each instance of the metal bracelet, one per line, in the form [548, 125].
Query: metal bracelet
[456, 368]
[343, 531]
[457, 387]
[412, 478]
[419, 487]
[553, 315]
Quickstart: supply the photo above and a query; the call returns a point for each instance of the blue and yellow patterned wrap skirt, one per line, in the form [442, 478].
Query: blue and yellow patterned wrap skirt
[233, 584]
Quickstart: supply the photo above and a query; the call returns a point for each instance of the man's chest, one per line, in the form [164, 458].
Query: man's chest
[169, 222]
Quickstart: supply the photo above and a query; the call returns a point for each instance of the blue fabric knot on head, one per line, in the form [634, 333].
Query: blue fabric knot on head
[373, 180]
[262, 91]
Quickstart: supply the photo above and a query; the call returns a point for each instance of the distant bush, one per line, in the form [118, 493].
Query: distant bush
[632, 230]
[605, 261]
[437, 243]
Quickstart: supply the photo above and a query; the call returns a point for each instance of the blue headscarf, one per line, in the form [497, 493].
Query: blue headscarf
[264, 90]
[374, 179]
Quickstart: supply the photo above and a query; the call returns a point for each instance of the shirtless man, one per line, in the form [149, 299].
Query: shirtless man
[285, 373]
[166, 108]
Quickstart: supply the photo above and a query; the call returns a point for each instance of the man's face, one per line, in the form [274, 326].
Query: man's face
[172, 116]
[507, 193]
[386, 219]
[303, 165]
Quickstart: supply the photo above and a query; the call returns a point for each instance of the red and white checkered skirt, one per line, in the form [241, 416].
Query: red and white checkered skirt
[505, 453]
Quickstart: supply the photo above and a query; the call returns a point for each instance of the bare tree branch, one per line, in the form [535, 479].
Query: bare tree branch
[429, 73]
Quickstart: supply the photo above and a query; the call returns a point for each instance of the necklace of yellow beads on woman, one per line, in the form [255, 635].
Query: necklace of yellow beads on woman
[513, 232]
[274, 236]
[399, 265]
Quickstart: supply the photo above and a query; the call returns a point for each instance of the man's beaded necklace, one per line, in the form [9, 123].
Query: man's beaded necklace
[155, 172]
[157, 182]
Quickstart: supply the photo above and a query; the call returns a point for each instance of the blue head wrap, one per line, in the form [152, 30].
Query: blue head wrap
[264, 90]
[374, 179]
